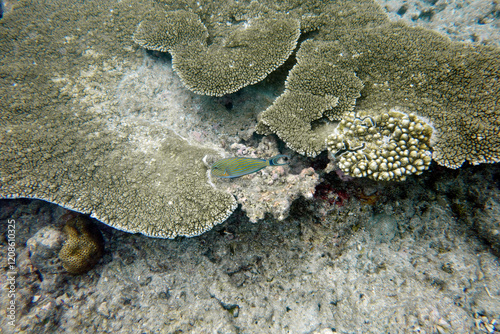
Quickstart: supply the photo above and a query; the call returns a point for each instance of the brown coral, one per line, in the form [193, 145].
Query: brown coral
[316, 90]
[245, 53]
[162, 31]
[84, 245]
[455, 86]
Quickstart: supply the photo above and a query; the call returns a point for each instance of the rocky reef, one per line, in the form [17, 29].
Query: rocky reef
[102, 113]
[78, 138]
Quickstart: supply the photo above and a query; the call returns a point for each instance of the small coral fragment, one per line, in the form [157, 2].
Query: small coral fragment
[84, 245]
[383, 147]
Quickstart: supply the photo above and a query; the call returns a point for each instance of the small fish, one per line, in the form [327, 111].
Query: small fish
[239, 166]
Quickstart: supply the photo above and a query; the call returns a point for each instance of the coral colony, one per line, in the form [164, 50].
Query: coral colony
[382, 98]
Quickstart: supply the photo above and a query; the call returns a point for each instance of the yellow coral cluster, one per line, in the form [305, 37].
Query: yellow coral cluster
[387, 146]
[84, 245]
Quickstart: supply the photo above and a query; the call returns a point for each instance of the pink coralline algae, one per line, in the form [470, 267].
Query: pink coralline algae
[326, 192]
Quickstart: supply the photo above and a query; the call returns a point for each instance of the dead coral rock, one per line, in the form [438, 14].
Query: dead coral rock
[44, 246]
[84, 246]
[271, 190]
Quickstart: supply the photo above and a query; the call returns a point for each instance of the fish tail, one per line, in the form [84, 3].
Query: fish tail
[274, 160]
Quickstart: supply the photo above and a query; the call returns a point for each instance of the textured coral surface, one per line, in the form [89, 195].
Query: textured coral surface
[83, 247]
[93, 122]
[75, 141]
[81, 136]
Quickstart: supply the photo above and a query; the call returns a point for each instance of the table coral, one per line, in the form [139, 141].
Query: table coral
[455, 86]
[314, 90]
[354, 44]
[65, 140]
[162, 31]
[238, 55]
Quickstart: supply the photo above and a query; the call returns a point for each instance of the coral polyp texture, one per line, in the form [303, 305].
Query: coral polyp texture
[239, 54]
[84, 245]
[388, 146]
[314, 90]
[67, 138]
[162, 31]
[454, 85]
[162, 194]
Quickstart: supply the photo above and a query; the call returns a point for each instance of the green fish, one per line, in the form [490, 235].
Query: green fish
[239, 166]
